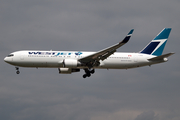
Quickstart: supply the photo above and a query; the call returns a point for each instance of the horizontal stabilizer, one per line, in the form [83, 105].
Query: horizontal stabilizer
[161, 57]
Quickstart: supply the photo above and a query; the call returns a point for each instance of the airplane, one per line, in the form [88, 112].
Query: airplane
[69, 62]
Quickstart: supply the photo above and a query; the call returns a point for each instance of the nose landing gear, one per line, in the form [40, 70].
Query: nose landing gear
[17, 70]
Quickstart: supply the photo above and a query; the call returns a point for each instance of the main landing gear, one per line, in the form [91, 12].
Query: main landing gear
[17, 70]
[88, 73]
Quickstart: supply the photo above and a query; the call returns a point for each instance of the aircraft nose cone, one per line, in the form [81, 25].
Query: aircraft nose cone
[8, 60]
[5, 59]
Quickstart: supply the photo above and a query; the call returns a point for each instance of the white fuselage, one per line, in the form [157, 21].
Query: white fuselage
[53, 59]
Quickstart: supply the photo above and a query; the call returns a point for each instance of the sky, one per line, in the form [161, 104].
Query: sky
[147, 93]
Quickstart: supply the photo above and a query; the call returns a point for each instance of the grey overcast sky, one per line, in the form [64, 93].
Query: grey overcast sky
[147, 93]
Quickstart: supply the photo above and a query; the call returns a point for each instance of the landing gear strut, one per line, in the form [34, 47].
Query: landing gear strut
[88, 73]
[17, 70]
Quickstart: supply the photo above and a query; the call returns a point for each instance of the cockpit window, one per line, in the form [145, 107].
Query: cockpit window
[10, 55]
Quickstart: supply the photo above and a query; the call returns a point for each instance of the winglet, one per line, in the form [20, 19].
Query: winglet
[130, 33]
[128, 36]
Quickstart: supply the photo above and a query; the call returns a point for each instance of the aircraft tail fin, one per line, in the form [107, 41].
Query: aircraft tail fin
[156, 46]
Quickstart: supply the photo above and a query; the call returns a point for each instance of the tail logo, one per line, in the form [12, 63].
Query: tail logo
[156, 46]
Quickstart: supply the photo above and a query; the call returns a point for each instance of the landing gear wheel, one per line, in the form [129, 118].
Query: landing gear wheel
[17, 68]
[84, 76]
[88, 72]
[88, 75]
[17, 72]
[92, 71]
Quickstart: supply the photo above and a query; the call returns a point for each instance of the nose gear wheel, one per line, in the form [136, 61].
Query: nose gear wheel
[17, 70]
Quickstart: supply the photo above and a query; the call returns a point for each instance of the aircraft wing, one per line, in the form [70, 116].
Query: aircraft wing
[93, 59]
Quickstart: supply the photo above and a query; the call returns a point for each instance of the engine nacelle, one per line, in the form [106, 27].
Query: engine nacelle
[67, 70]
[70, 63]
